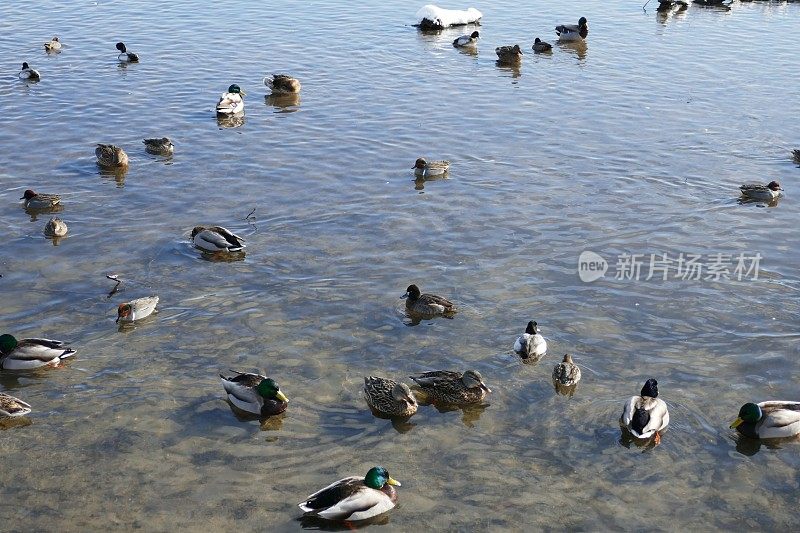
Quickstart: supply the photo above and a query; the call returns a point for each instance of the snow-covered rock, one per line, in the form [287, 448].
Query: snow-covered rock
[432, 17]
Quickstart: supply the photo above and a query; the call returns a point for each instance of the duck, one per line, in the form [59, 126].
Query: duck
[55, 227]
[389, 397]
[467, 40]
[758, 191]
[231, 102]
[125, 56]
[11, 407]
[216, 239]
[25, 354]
[796, 156]
[53, 45]
[429, 169]
[646, 415]
[427, 304]
[452, 388]
[354, 498]
[566, 373]
[110, 156]
[531, 343]
[509, 53]
[136, 309]
[572, 32]
[540, 46]
[27, 73]
[34, 200]
[255, 394]
[768, 420]
[160, 146]
[282, 84]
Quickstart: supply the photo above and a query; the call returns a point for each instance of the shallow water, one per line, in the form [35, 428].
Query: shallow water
[635, 144]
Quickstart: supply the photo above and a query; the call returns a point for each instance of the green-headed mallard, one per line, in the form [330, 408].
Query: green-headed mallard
[427, 304]
[34, 200]
[125, 56]
[110, 156]
[282, 84]
[430, 169]
[388, 397]
[231, 102]
[531, 343]
[25, 354]
[354, 498]
[216, 239]
[466, 41]
[508, 54]
[759, 191]
[136, 309]
[573, 32]
[768, 420]
[53, 45]
[29, 74]
[646, 415]
[55, 227]
[12, 407]
[160, 146]
[452, 388]
[255, 394]
[566, 373]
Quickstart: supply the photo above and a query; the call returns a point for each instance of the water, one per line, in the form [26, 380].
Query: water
[636, 144]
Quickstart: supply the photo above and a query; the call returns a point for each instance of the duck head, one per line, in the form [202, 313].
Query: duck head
[750, 412]
[531, 329]
[269, 389]
[7, 344]
[25, 66]
[28, 193]
[420, 163]
[475, 35]
[121, 47]
[402, 393]
[582, 22]
[236, 89]
[473, 379]
[412, 292]
[650, 388]
[123, 311]
[377, 477]
[774, 186]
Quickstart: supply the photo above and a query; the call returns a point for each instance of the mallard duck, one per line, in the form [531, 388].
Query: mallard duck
[125, 56]
[452, 388]
[161, 146]
[27, 73]
[429, 169]
[572, 32]
[12, 407]
[646, 415]
[55, 227]
[541, 46]
[255, 394]
[216, 239]
[282, 84]
[467, 40]
[768, 420]
[758, 191]
[388, 397]
[427, 304]
[354, 498]
[136, 309]
[566, 372]
[531, 343]
[508, 54]
[34, 200]
[231, 102]
[53, 45]
[110, 156]
[25, 354]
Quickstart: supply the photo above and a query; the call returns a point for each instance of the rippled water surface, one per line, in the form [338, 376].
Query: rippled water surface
[636, 143]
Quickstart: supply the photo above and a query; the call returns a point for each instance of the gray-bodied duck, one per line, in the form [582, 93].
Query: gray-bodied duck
[354, 498]
[427, 304]
[25, 354]
[388, 397]
[573, 32]
[531, 343]
[216, 239]
[110, 156]
[53, 45]
[282, 84]
[35, 200]
[159, 146]
[255, 394]
[452, 388]
[466, 41]
[231, 101]
[646, 415]
[768, 420]
[430, 169]
[136, 309]
[11, 407]
[759, 191]
[29, 74]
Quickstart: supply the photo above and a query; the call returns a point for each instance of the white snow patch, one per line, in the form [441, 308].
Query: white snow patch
[448, 17]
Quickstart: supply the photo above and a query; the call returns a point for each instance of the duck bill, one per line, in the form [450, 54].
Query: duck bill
[404, 295]
[487, 389]
[737, 423]
[394, 482]
[117, 320]
[281, 396]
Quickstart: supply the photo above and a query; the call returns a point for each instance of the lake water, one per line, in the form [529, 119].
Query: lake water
[635, 144]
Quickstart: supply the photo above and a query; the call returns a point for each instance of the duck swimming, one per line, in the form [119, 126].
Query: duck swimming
[125, 56]
[768, 420]
[11, 407]
[388, 397]
[34, 200]
[467, 40]
[354, 498]
[29, 74]
[758, 191]
[646, 415]
[566, 373]
[110, 156]
[427, 304]
[573, 32]
[136, 309]
[540, 46]
[53, 45]
[25, 354]
[452, 388]
[282, 84]
[531, 343]
[55, 227]
[429, 169]
[216, 239]
[255, 394]
[508, 54]
[231, 102]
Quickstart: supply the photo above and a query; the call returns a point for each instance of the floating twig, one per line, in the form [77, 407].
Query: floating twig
[250, 214]
[114, 277]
